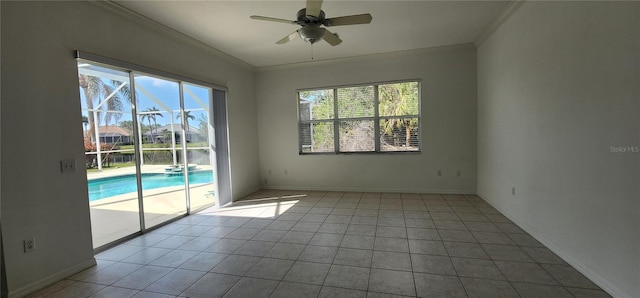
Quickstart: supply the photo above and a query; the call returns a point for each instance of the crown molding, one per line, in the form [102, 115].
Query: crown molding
[504, 15]
[161, 28]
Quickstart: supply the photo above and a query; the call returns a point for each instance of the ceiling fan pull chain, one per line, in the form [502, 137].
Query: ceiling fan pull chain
[311, 51]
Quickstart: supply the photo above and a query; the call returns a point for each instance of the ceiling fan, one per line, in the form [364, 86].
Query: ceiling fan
[312, 18]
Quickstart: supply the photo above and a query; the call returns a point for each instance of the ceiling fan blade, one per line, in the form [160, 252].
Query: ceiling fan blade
[261, 18]
[331, 38]
[349, 20]
[288, 38]
[313, 7]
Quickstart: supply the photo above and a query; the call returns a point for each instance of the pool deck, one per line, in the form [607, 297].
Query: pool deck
[117, 216]
[132, 170]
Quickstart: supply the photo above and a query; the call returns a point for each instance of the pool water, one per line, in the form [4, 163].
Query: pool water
[112, 186]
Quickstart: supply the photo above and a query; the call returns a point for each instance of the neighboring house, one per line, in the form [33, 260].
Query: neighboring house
[114, 134]
[163, 134]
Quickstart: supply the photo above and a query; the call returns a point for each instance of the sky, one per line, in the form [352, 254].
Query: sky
[155, 92]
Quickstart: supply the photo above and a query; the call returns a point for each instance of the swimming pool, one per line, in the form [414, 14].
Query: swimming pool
[112, 186]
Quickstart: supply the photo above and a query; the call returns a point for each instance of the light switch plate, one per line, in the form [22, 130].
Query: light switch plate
[68, 165]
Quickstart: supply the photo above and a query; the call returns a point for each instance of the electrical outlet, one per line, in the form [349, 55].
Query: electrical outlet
[439, 173]
[285, 172]
[266, 182]
[513, 191]
[29, 245]
[459, 173]
[68, 165]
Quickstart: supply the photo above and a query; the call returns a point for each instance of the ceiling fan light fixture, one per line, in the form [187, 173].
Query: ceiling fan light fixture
[311, 33]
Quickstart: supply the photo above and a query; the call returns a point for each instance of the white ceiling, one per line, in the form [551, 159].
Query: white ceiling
[396, 26]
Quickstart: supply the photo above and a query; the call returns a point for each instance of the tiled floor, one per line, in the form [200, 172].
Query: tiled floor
[329, 244]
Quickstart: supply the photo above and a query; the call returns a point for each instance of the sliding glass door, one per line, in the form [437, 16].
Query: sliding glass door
[150, 148]
[199, 142]
[107, 125]
[160, 135]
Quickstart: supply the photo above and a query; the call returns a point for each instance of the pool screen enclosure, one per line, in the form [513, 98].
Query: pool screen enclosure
[155, 145]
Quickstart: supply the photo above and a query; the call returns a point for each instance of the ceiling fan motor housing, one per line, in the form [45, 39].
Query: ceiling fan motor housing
[303, 19]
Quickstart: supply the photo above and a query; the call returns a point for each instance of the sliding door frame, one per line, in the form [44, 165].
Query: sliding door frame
[219, 148]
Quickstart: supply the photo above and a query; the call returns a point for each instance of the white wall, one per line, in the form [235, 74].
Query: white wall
[41, 124]
[1, 253]
[558, 85]
[448, 124]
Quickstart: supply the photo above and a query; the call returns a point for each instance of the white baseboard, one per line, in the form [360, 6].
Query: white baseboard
[32, 287]
[246, 193]
[592, 275]
[369, 189]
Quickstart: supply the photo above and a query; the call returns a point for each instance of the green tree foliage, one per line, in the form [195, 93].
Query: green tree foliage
[356, 102]
[399, 99]
[396, 100]
[398, 108]
[127, 124]
[318, 105]
[323, 137]
[321, 103]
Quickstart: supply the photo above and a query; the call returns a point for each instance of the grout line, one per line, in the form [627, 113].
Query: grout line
[332, 205]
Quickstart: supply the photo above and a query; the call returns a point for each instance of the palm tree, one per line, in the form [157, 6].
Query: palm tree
[148, 117]
[203, 126]
[95, 89]
[187, 116]
[151, 114]
[85, 122]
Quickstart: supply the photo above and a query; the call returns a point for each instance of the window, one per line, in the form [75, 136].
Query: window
[367, 118]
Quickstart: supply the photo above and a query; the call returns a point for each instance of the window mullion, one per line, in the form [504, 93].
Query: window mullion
[376, 120]
[336, 123]
[399, 117]
[357, 118]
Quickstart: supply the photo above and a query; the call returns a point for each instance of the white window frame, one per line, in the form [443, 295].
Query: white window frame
[376, 119]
